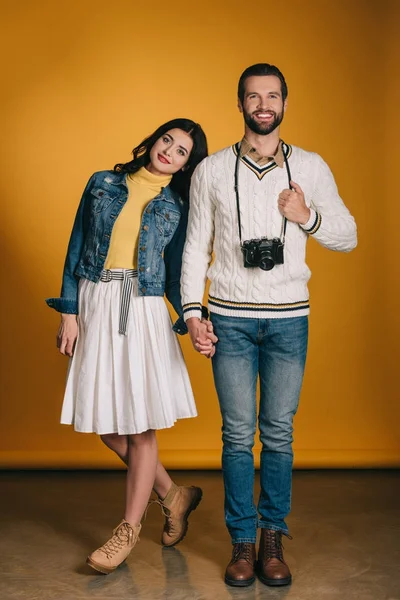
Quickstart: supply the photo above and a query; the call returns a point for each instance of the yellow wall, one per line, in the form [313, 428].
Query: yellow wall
[84, 81]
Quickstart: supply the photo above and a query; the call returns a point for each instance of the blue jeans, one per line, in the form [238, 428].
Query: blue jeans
[274, 350]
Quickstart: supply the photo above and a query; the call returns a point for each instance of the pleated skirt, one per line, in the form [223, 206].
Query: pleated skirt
[129, 383]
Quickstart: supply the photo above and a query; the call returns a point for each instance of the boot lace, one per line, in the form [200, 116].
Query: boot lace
[242, 550]
[122, 536]
[273, 547]
[169, 526]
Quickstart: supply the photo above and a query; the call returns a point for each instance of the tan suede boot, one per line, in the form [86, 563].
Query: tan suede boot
[107, 558]
[177, 506]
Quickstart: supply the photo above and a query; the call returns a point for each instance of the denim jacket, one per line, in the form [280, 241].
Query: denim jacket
[160, 246]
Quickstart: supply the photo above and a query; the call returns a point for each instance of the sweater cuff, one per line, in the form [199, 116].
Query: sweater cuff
[313, 223]
[193, 309]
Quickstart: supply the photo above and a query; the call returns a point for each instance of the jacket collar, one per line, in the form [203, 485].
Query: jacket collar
[166, 193]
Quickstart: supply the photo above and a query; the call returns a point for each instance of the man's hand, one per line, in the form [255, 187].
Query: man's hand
[292, 205]
[67, 334]
[210, 331]
[202, 336]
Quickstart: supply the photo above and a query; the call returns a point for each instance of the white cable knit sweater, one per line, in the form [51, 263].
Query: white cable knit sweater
[213, 227]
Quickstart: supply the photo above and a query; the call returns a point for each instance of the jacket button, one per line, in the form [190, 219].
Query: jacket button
[148, 211]
[101, 193]
[146, 227]
[141, 269]
[143, 248]
[167, 216]
[143, 289]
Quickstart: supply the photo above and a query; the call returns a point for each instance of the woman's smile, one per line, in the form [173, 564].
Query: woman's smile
[163, 159]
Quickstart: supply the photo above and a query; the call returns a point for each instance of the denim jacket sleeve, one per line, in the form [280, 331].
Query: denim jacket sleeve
[173, 266]
[68, 301]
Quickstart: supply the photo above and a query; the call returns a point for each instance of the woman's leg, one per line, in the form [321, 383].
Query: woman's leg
[162, 482]
[119, 444]
[145, 472]
[142, 467]
[139, 452]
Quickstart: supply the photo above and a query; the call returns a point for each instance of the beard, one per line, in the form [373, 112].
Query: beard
[263, 128]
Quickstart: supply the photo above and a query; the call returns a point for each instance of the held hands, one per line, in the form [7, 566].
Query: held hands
[292, 205]
[67, 334]
[202, 336]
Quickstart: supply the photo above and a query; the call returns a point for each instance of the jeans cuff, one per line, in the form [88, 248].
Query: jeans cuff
[262, 525]
[249, 540]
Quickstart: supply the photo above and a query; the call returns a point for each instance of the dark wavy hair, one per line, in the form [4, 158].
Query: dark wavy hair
[261, 69]
[180, 182]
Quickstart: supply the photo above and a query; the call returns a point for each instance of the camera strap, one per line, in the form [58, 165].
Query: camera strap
[284, 220]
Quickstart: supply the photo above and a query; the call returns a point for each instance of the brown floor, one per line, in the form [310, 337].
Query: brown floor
[345, 525]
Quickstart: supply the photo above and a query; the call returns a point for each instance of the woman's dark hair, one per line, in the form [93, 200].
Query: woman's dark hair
[181, 180]
[261, 69]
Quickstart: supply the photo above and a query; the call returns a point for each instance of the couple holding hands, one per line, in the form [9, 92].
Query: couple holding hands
[148, 228]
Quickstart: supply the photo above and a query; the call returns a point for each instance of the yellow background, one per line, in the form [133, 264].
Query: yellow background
[83, 82]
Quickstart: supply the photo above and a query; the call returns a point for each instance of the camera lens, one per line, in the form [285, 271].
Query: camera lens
[266, 262]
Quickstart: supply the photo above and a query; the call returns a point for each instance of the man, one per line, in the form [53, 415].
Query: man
[255, 204]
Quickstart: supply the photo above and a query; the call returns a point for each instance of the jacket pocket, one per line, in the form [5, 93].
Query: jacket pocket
[166, 221]
[101, 199]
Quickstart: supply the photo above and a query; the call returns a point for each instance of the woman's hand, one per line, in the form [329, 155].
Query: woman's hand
[67, 334]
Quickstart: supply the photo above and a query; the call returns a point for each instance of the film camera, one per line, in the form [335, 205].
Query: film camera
[263, 253]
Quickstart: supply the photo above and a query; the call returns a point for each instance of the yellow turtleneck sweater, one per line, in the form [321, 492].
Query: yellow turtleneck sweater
[143, 186]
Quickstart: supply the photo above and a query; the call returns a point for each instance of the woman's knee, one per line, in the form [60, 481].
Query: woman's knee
[111, 437]
[116, 442]
[142, 439]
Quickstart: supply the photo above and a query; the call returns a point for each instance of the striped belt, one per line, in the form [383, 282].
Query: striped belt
[126, 276]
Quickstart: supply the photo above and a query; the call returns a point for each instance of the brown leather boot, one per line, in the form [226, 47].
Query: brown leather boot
[271, 567]
[177, 506]
[240, 571]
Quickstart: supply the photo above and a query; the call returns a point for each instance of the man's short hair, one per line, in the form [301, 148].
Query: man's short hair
[261, 69]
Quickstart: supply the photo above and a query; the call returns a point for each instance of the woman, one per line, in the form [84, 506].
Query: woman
[127, 376]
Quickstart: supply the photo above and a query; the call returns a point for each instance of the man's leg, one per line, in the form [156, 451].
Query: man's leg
[282, 360]
[235, 367]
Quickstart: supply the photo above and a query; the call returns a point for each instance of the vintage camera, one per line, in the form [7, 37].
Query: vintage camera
[263, 253]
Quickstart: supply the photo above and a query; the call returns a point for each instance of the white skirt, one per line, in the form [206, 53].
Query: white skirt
[129, 383]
